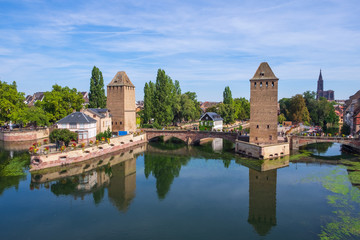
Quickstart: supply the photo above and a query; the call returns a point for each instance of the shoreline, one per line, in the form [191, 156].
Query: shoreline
[59, 159]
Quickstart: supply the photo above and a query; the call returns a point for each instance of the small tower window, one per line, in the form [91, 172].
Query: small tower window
[268, 126]
[267, 84]
[257, 126]
[120, 123]
[260, 84]
[272, 84]
[256, 138]
[254, 84]
[270, 137]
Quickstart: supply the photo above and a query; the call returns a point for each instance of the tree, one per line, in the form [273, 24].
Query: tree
[281, 118]
[163, 86]
[60, 102]
[11, 101]
[298, 111]
[242, 108]
[62, 135]
[97, 98]
[227, 96]
[148, 106]
[345, 129]
[176, 101]
[32, 115]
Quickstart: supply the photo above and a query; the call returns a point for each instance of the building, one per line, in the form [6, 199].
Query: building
[80, 123]
[102, 117]
[121, 103]
[263, 106]
[329, 94]
[351, 113]
[205, 105]
[86, 98]
[31, 99]
[210, 121]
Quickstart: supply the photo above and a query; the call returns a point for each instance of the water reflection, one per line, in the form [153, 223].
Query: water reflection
[262, 200]
[164, 168]
[117, 173]
[12, 168]
[326, 149]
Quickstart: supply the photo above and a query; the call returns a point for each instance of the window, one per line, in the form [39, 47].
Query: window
[254, 84]
[267, 84]
[262, 74]
[72, 125]
[268, 126]
[260, 84]
[81, 125]
[256, 138]
[120, 123]
[115, 123]
[272, 84]
[257, 126]
[270, 137]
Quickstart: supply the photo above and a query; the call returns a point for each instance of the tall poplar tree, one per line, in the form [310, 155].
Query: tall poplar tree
[163, 86]
[97, 98]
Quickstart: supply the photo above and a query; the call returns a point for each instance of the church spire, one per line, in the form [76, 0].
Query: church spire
[320, 86]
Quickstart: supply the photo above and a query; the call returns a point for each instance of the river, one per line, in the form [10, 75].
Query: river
[172, 191]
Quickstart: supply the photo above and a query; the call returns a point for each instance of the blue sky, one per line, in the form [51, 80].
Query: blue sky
[205, 44]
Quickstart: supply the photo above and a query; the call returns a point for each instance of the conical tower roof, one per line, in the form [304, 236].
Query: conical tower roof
[264, 72]
[121, 79]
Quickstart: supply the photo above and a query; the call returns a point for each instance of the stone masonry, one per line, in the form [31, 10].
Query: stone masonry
[263, 106]
[121, 103]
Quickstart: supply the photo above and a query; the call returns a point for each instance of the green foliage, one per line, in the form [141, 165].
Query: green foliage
[242, 108]
[227, 96]
[332, 130]
[318, 112]
[281, 118]
[97, 98]
[106, 134]
[298, 111]
[164, 169]
[32, 116]
[11, 101]
[60, 102]
[63, 135]
[345, 129]
[65, 186]
[164, 103]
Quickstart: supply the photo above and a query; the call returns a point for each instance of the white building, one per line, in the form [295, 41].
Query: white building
[210, 121]
[80, 123]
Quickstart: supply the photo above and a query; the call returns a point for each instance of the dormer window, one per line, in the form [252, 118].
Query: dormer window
[262, 74]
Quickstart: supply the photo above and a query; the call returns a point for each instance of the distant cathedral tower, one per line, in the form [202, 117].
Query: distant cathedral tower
[329, 94]
[121, 103]
[263, 106]
[320, 86]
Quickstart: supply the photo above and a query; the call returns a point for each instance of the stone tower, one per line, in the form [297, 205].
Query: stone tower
[263, 106]
[121, 103]
[320, 87]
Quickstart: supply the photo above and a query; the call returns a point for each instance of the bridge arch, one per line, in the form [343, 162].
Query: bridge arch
[298, 141]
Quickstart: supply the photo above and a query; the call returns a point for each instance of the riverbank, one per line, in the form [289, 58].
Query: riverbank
[43, 161]
[24, 135]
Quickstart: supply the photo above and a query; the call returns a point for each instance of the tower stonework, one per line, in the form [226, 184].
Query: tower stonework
[263, 106]
[121, 103]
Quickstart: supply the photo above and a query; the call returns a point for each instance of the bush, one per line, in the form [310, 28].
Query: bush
[63, 135]
[105, 135]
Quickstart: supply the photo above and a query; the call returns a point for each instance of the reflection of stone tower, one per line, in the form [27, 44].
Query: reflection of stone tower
[263, 106]
[262, 200]
[121, 103]
[123, 184]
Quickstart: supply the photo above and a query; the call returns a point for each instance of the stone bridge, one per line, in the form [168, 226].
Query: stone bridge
[298, 141]
[193, 137]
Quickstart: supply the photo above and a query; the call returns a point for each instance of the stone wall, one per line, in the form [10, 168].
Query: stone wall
[23, 135]
[68, 157]
[262, 151]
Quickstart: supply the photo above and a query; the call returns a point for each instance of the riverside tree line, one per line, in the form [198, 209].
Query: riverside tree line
[56, 104]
